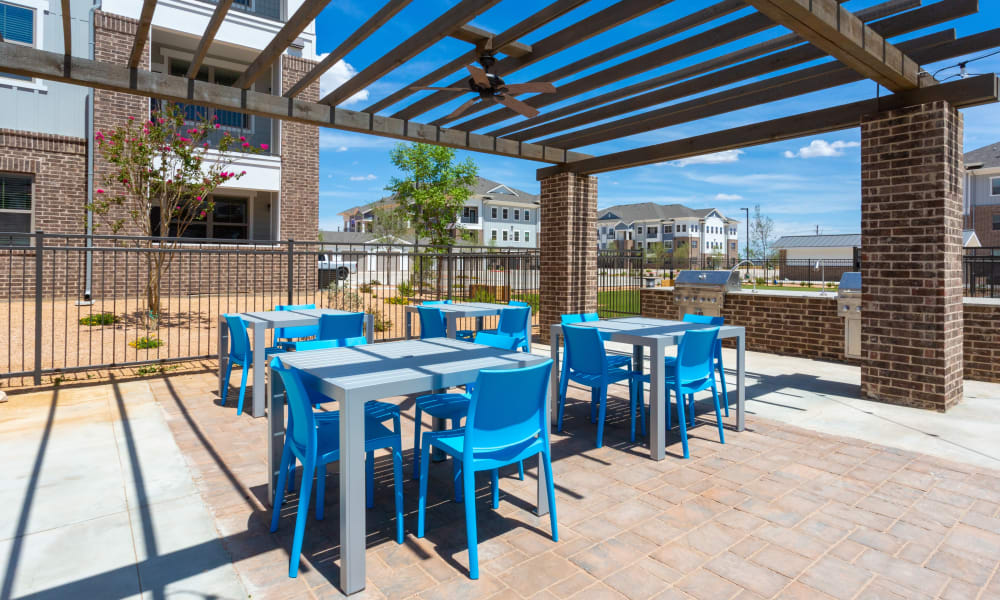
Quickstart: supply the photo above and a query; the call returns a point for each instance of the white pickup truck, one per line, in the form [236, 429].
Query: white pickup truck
[337, 268]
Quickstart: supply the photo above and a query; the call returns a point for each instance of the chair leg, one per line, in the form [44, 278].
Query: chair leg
[690, 399]
[301, 516]
[416, 443]
[370, 479]
[397, 486]
[594, 400]
[718, 413]
[682, 421]
[601, 411]
[495, 480]
[550, 491]
[290, 467]
[469, 480]
[279, 494]
[224, 390]
[243, 390]
[422, 501]
[631, 408]
[563, 383]
[320, 491]
[520, 470]
[642, 410]
[722, 380]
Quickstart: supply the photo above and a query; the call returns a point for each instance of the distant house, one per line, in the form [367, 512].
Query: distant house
[649, 226]
[498, 214]
[812, 247]
[981, 194]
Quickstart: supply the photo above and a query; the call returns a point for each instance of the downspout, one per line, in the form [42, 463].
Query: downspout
[89, 103]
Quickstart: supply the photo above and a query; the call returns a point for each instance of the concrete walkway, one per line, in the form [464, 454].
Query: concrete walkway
[96, 501]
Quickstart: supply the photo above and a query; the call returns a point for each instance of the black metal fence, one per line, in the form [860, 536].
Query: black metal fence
[981, 272]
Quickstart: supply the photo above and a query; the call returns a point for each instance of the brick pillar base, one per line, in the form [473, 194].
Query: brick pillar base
[911, 232]
[568, 278]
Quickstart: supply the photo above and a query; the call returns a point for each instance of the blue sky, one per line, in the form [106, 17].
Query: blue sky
[801, 184]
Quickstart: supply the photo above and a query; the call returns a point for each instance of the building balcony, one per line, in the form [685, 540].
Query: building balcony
[268, 9]
[256, 130]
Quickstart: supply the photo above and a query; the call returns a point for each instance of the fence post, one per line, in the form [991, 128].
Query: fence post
[451, 272]
[39, 245]
[291, 269]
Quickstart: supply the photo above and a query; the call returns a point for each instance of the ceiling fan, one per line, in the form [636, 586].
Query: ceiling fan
[491, 88]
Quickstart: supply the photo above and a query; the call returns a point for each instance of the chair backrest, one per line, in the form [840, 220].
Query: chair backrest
[591, 317]
[431, 322]
[283, 333]
[433, 302]
[504, 342]
[518, 303]
[514, 321]
[341, 327]
[570, 319]
[507, 410]
[301, 422]
[584, 350]
[696, 353]
[703, 319]
[239, 341]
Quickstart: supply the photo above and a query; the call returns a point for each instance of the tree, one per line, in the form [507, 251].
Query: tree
[681, 256]
[432, 192]
[761, 233]
[389, 220]
[160, 183]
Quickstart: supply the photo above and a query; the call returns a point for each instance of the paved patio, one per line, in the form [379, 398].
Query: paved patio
[778, 511]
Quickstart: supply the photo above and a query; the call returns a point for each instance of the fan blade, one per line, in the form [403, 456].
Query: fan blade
[461, 109]
[517, 106]
[479, 76]
[443, 89]
[540, 87]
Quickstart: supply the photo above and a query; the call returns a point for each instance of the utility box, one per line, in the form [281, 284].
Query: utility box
[849, 307]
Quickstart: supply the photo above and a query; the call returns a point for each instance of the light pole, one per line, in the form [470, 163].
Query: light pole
[747, 211]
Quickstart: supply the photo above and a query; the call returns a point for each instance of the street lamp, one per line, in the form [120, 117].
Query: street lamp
[747, 211]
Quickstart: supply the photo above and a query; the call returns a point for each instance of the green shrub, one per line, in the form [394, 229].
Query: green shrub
[376, 282]
[531, 299]
[382, 323]
[397, 300]
[365, 288]
[405, 289]
[146, 342]
[482, 295]
[344, 299]
[104, 318]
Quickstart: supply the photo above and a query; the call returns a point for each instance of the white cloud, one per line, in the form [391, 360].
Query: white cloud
[342, 149]
[368, 177]
[335, 76]
[342, 141]
[726, 156]
[728, 197]
[818, 148]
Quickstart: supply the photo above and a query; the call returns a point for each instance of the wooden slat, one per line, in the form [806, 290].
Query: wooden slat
[507, 37]
[141, 33]
[67, 26]
[218, 16]
[982, 89]
[478, 36]
[32, 62]
[457, 16]
[900, 24]
[359, 35]
[759, 49]
[839, 33]
[792, 84]
[580, 31]
[306, 14]
[662, 32]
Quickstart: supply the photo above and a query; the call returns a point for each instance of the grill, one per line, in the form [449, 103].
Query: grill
[704, 292]
[849, 307]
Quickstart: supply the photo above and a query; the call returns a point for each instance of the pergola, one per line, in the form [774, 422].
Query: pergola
[911, 137]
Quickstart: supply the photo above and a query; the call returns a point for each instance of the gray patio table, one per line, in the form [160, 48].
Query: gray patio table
[355, 375]
[259, 323]
[462, 310]
[657, 334]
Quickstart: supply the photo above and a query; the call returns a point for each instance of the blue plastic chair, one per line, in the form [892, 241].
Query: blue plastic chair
[715, 321]
[587, 363]
[455, 406]
[569, 319]
[283, 336]
[333, 331]
[591, 316]
[514, 322]
[239, 354]
[694, 371]
[501, 428]
[317, 443]
[431, 322]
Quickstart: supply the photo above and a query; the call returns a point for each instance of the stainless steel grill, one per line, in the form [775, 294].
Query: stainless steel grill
[704, 292]
[849, 307]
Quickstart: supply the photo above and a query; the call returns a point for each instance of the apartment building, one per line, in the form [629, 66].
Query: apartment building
[48, 167]
[982, 194]
[498, 214]
[671, 227]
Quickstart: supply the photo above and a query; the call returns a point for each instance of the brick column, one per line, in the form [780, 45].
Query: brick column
[299, 161]
[568, 248]
[911, 227]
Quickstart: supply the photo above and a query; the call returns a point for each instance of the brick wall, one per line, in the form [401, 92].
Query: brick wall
[568, 277]
[981, 340]
[911, 225]
[988, 236]
[299, 161]
[58, 165]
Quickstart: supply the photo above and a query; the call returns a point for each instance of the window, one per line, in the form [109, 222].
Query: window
[505, 235]
[505, 214]
[493, 212]
[517, 236]
[611, 234]
[526, 217]
[639, 230]
[493, 234]
[694, 243]
[17, 25]
[226, 118]
[227, 221]
[995, 186]
[15, 207]
[527, 235]
[996, 221]
[694, 229]
[638, 245]
[669, 244]
[517, 214]
[732, 245]
[470, 214]
[668, 229]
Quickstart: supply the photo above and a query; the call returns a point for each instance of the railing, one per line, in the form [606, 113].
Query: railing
[269, 9]
[981, 272]
[256, 130]
[619, 277]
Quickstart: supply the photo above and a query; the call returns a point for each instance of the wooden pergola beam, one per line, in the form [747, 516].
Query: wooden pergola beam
[218, 16]
[981, 89]
[478, 36]
[307, 12]
[458, 15]
[67, 26]
[582, 30]
[380, 18]
[32, 62]
[141, 33]
[505, 38]
[841, 34]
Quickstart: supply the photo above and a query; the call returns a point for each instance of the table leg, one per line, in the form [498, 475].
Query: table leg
[638, 359]
[452, 321]
[223, 356]
[657, 404]
[530, 327]
[352, 496]
[408, 318]
[276, 430]
[543, 498]
[554, 380]
[370, 328]
[741, 388]
[259, 367]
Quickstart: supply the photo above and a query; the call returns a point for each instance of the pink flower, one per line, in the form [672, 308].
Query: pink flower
[99, 136]
[202, 214]
[246, 144]
[242, 139]
[217, 126]
[100, 191]
[161, 121]
[205, 145]
[243, 173]
[184, 139]
[131, 118]
[192, 131]
[264, 146]
[198, 198]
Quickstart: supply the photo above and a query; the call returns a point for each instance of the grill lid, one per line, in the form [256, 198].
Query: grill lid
[850, 282]
[727, 280]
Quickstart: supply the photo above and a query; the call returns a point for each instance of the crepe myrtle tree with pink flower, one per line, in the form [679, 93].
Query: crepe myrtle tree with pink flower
[164, 164]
